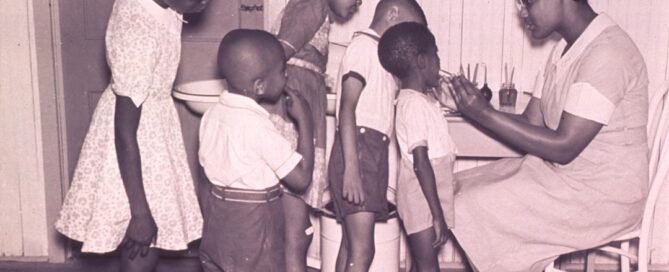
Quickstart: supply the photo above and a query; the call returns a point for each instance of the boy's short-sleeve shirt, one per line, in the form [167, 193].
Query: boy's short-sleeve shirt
[241, 148]
[375, 105]
[419, 121]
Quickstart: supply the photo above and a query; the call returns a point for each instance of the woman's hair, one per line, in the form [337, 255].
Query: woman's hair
[401, 44]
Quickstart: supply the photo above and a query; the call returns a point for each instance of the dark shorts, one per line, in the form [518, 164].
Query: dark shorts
[373, 162]
[243, 231]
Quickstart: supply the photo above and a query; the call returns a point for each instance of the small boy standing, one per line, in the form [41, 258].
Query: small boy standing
[425, 183]
[358, 168]
[244, 156]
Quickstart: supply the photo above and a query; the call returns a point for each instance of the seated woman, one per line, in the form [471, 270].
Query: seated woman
[584, 179]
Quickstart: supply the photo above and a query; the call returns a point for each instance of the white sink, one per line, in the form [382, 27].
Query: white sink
[200, 95]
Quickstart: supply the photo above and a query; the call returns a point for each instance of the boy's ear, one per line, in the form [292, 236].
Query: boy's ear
[259, 86]
[392, 14]
[421, 61]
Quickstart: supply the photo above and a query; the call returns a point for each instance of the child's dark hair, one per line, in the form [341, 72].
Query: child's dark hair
[401, 44]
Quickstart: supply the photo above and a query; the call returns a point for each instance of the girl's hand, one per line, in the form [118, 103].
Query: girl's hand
[467, 97]
[440, 232]
[297, 106]
[353, 191]
[141, 232]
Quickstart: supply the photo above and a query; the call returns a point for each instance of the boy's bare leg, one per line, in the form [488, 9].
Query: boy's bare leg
[360, 238]
[139, 263]
[297, 240]
[425, 256]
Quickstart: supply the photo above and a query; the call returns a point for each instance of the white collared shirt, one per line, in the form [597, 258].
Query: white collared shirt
[241, 148]
[375, 104]
[419, 121]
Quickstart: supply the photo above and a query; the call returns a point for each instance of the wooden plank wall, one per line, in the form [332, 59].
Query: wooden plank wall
[23, 230]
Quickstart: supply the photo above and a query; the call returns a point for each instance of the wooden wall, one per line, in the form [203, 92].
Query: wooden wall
[23, 228]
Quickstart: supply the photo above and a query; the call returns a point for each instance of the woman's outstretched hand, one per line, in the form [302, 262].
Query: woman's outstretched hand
[467, 97]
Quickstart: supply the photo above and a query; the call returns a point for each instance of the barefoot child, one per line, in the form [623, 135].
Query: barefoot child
[358, 168]
[425, 185]
[245, 156]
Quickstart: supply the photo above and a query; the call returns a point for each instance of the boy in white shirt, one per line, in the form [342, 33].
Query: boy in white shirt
[425, 183]
[244, 156]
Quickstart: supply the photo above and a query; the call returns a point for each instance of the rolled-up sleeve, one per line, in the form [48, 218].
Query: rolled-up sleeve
[275, 150]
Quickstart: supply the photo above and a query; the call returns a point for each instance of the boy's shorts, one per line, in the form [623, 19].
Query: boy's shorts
[243, 230]
[373, 163]
[411, 202]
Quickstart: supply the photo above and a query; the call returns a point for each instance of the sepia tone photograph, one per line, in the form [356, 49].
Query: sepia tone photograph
[334, 135]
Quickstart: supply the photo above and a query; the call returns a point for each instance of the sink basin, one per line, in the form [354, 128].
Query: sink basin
[200, 95]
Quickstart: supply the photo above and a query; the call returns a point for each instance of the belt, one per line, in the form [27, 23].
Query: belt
[305, 65]
[247, 195]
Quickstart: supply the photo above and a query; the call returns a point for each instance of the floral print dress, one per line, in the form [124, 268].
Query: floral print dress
[143, 51]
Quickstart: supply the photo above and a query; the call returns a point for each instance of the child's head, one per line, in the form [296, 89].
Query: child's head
[391, 12]
[185, 6]
[252, 62]
[344, 9]
[409, 50]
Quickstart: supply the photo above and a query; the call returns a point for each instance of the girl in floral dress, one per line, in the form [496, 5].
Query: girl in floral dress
[132, 184]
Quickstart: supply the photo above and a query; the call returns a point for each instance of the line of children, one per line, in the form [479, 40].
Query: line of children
[246, 155]
[236, 238]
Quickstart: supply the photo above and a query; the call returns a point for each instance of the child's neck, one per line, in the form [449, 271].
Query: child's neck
[246, 93]
[415, 83]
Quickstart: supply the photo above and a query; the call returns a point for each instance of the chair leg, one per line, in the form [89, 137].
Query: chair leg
[590, 261]
[624, 260]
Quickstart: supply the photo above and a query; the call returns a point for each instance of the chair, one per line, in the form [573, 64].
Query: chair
[658, 133]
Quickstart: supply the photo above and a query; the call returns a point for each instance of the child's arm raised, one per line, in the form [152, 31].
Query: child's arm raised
[300, 22]
[423, 169]
[300, 177]
[352, 187]
[142, 229]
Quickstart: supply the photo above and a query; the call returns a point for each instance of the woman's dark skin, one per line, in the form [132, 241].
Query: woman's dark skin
[527, 131]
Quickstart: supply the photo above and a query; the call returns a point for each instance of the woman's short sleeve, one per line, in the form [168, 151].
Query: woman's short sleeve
[599, 85]
[132, 57]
